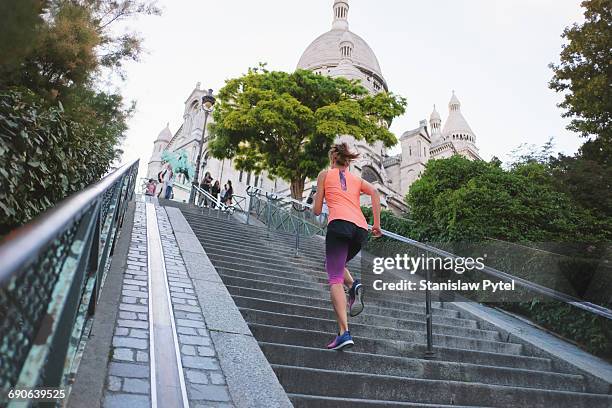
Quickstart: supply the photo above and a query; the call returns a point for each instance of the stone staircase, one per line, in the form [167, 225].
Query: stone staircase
[285, 301]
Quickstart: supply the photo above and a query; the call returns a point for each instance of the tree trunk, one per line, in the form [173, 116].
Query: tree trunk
[297, 189]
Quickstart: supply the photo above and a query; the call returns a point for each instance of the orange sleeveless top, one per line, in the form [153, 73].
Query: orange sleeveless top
[342, 192]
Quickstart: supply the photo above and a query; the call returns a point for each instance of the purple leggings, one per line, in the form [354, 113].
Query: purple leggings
[342, 243]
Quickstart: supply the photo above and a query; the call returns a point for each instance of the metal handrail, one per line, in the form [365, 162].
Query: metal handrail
[278, 201]
[216, 200]
[430, 354]
[21, 246]
[51, 273]
[238, 201]
[286, 199]
[556, 295]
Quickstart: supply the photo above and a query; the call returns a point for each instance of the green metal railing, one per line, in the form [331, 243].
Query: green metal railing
[280, 214]
[51, 273]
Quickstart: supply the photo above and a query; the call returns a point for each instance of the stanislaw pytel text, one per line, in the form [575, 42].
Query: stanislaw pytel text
[405, 285]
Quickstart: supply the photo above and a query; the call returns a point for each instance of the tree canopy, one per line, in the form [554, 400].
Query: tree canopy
[285, 123]
[584, 74]
[470, 205]
[458, 199]
[58, 131]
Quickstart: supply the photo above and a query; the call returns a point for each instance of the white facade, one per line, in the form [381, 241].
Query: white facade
[337, 53]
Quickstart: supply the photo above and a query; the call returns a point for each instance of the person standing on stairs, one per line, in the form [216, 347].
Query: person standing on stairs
[214, 191]
[347, 230]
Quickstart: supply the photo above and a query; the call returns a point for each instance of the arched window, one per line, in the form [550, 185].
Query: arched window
[370, 175]
[419, 147]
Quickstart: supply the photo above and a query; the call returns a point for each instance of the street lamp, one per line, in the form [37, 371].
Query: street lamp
[208, 102]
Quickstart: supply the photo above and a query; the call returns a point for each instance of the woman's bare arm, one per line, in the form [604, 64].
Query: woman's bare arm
[320, 195]
[370, 190]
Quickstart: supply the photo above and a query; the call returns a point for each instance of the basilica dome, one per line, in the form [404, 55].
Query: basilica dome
[322, 54]
[165, 135]
[456, 127]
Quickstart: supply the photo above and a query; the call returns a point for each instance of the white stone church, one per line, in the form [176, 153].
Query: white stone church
[337, 53]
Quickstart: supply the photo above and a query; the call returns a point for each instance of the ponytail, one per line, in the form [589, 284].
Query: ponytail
[341, 154]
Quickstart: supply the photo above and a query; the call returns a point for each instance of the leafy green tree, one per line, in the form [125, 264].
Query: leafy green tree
[458, 199]
[73, 43]
[45, 156]
[58, 131]
[19, 24]
[588, 182]
[285, 123]
[584, 74]
[458, 203]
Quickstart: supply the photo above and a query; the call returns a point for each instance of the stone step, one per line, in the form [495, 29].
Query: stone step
[267, 256]
[304, 280]
[213, 226]
[298, 380]
[206, 215]
[316, 293]
[350, 361]
[264, 255]
[330, 326]
[239, 237]
[324, 301]
[365, 319]
[396, 348]
[284, 266]
[285, 300]
[204, 222]
[318, 401]
[325, 307]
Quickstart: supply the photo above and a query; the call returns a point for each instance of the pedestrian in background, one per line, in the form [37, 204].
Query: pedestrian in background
[168, 181]
[214, 191]
[222, 194]
[206, 185]
[229, 193]
[150, 188]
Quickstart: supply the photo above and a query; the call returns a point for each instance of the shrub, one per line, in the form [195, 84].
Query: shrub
[45, 156]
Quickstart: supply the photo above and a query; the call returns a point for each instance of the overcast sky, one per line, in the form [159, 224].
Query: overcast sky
[494, 53]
